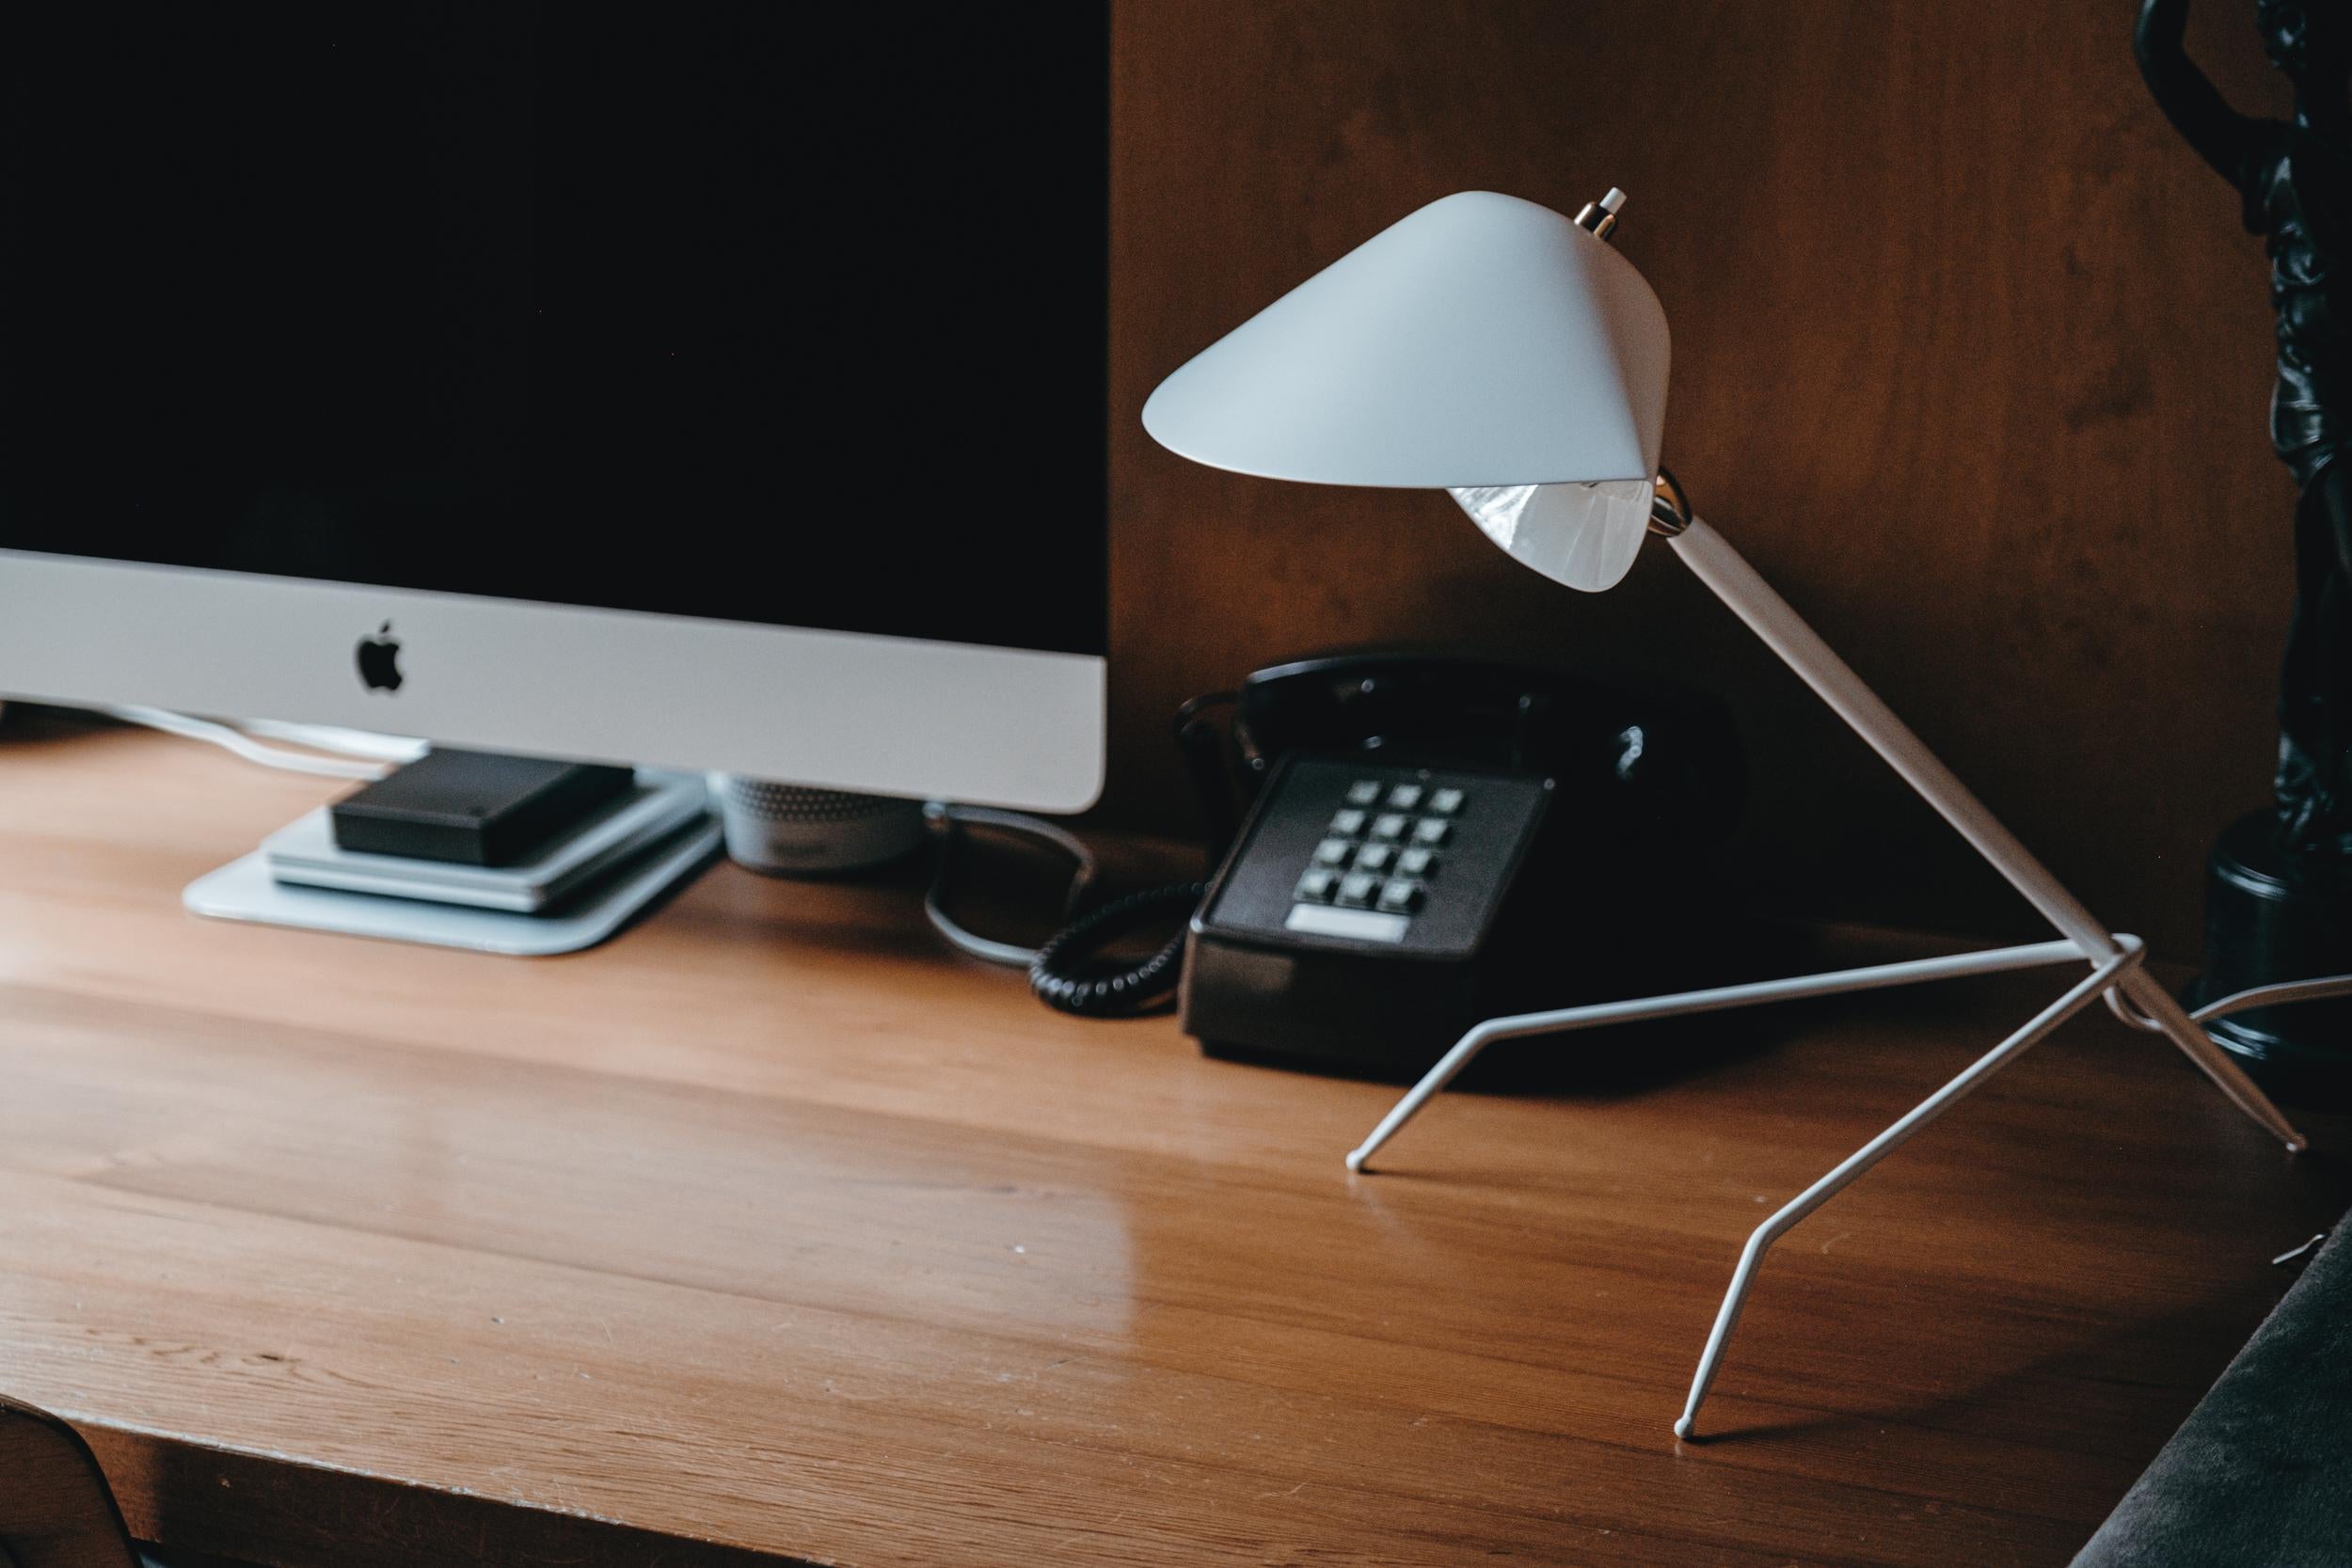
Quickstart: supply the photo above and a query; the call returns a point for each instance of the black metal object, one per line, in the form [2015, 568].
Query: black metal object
[2272, 915]
[2276, 898]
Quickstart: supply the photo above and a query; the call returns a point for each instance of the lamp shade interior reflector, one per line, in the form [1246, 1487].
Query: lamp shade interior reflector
[1584, 535]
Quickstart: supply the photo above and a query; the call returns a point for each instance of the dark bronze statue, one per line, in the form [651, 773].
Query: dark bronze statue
[2294, 178]
[2278, 896]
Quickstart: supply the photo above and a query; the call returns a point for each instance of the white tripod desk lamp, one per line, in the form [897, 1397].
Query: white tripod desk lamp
[1494, 349]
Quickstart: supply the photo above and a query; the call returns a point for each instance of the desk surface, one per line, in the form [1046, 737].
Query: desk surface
[769, 1226]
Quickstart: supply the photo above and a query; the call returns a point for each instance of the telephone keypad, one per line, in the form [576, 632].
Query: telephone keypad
[1406, 869]
[1393, 947]
[1380, 856]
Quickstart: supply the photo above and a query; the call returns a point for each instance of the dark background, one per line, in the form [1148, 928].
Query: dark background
[676, 307]
[1971, 359]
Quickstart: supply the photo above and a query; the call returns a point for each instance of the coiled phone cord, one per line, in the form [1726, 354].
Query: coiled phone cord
[1065, 974]
[1060, 975]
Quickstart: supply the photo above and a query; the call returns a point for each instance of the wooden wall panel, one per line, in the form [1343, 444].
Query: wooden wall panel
[1972, 359]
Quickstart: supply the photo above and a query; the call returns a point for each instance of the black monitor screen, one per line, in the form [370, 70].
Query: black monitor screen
[691, 308]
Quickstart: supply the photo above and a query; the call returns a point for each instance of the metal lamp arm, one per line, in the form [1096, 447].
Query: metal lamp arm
[1727, 574]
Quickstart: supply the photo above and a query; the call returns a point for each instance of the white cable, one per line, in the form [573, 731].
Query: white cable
[334, 738]
[948, 820]
[2277, 995]
[245, 746]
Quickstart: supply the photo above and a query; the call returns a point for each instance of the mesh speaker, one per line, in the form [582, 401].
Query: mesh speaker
[790, 830]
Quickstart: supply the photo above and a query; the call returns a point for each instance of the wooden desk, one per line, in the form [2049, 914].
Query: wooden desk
[768, 1226]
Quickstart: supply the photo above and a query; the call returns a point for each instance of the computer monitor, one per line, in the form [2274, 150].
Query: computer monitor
[681, 384]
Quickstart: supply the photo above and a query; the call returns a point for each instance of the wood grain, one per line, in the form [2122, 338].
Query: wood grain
[769, 1227]
[1971, 359]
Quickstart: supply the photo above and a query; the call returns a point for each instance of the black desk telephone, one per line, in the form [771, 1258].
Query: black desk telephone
[1430, 841]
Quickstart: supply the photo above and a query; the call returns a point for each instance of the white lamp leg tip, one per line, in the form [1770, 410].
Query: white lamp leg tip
[1355, 1162]
[1682, 1428]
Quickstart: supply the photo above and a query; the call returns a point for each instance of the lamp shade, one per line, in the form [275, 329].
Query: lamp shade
[1483, 341]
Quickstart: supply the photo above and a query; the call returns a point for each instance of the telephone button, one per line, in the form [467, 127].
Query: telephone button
[1390, 827]
[1333, 851]
[1315, 887]
[1400, 896]
[1364, 792]
[1405, 796]
[1356, 888]
[1347, 824]
[1416, 861]
[1354, 924]
[1375, 857]
[1445, 802]
[1431, 831]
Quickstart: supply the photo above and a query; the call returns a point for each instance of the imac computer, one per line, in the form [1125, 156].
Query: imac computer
[674, 385]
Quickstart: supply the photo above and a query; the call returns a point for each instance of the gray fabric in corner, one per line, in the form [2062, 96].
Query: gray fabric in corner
[2261, 1472]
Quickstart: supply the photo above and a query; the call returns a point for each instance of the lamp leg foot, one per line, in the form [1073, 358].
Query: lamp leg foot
[2166, 1013]
[2084, 991]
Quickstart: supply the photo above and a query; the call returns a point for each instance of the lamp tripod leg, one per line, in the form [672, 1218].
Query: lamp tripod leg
[1448, 1066]
[1559, 1021]
[1713, 561]
[1727, 574]
[2162, 1009]
[2114, 971]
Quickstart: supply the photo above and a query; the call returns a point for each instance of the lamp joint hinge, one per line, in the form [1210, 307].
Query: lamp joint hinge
[1600, 217]
[1669, 511]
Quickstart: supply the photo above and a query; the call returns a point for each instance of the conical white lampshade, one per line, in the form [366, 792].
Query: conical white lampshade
[1482, 342]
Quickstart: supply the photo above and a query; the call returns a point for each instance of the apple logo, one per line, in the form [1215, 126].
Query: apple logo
[379, 660]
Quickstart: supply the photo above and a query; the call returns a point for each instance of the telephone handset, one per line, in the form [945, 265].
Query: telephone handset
[1636, 751]
[1433, 840]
